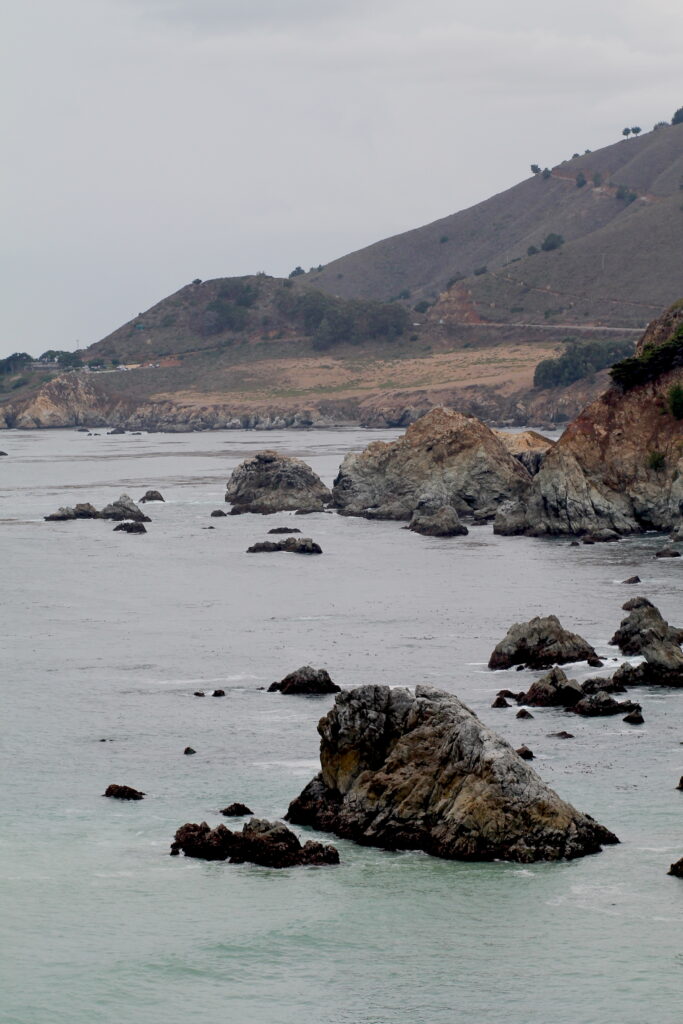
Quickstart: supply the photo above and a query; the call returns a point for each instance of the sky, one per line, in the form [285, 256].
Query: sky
[150, 142]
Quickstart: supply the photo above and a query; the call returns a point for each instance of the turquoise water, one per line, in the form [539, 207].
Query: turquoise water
[106, 636]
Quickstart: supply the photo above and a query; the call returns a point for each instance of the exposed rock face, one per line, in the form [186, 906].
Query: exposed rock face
[296, 545]
[124, 508]
[539, 643]
[676, 869]
[663, 666]
[270, 844]
[123, 792]
[420, 771]
[619, 465]
[455, 459]
[305, 680]
[601, 703]
[643, 624]
[434, 520]
[151, 496]
[554, 689]
[528, 446]
[269, 482]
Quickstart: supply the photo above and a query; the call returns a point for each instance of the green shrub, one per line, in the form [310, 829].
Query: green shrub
[577, 361]
[15, 362]
[535, 169]
[625, 194]
[532, 250]
[675, 401]
[546, 173]
[552, 241]
[580, 179]
[422, 306]
[656, 461]
[678, 116]
[297, 271]
[597, 179]
[19, 382]
[443, 239]
[651, 363]
[454, 280]
[478, 271]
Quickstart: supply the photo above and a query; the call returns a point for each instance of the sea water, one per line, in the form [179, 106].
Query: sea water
[106, 637]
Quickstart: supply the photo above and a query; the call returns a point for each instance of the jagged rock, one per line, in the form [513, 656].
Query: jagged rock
[539, 643]
[123, 792]
[305, 680]
[2, 453]
[676, 869]
[525, 753]
[523, 713]
[151, 496]
[296, 545]
[405, 770]
[269, 844]
[667, 553]
[519, 697]
[453, 458]
[632, 579]
[218, 513]
[189, 750]
[663, 666]
[124, 508]
[680, 783]
[597, 683]
[83, 510]
[643, 625]
[236, 810]
[528, 447]
[562, 735]
[270, 482]
[127, 527]
[634, 718]
[553, 689]
[434, 520]
[284, 529]
[500, 702]
[602, 703]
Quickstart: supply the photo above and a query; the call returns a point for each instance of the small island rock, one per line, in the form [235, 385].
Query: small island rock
[305, 680]
[151, 496]
[236, 810]
[540, 643]
[123, 792]
[270, 482]
[269, 844]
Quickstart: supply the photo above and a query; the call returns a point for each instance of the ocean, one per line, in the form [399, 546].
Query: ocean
[106, 637]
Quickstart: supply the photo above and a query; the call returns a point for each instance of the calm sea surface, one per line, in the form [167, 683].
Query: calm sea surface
[106, 636]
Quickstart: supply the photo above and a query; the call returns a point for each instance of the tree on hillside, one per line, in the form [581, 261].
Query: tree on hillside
[552, 241]
[678, 116]
[535, 169]
[297, 271]
[546, 172]
[626, 132]
[580, 179]
[636, 130]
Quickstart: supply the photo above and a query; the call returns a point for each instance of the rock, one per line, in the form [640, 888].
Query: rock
[453, 458]
[236, 810]
[602, 703]
[680, 783]
[539, 643]
[632, 579]
[130, 528]
[676, 869]
[305, 680]
[269, 844]
[597, 683]
[523, 713]
[123, 792]
[116, 430]
[553, 689]
[511, 694]
[500, 702]
[594, 662]
[218, 513]
[270, 482]
[562, 735]
[525, 753]
[218, 693]
[189, 750]
[634, 718]
[124, 508]
[199, 693]
[2, 453]
[432, 520]
[420, 771]
[643, 625]
[528, 446]
[284, 529]
[151, 496]
[81, 511]
[296, 545]
[667, 553]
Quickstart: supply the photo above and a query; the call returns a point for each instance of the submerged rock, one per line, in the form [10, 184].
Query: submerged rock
[123, 792]
[284, 529]
[453, 458]
[405, 770]
[525, 753]
[269, 844]
[269, 482]
[602, 703]
[236, 810]
[124, 508]
[130, 528]
[295, 545]
[667, 553]
[305, 680]
[634, 718]
[631, 580]
[218, 513]
[434, 520]
[151, 496]
[540, 643]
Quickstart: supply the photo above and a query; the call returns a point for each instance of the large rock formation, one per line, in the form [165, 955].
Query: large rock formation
[619, 465]
[270, 844]
[269, 482]
[305, 680]
[540, 643]
[445, 458]
[420, 771]
[643, 624]
[528, 446]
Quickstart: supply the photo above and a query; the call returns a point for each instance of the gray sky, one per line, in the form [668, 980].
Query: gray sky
[149, 142]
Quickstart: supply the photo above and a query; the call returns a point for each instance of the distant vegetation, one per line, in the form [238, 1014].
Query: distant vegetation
[229, 311]
[333, 321]
[580, 359]
[652, 362]
[675, 401]
[14, 363]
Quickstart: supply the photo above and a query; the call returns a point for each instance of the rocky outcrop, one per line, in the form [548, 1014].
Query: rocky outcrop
[663, 666]
[643, 624]
[528, 446]
[269, 482]
[540, 643]
[82, 511]
[269, 844]
[123, 792]
[124, 508]
[602, 703]
[405, 770]
[446, 458]
[151, 496]
[305, 680]
[236, 810]
[676, 869]
[554, 689]
[432, 519]
[130, 528]
[619, 465]
[295, 545]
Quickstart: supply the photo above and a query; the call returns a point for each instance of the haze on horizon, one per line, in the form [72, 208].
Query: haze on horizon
[150, 142]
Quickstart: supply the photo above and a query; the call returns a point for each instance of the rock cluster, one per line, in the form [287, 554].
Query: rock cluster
[296, 545]
[405, 770]
[644, 631]
[123, 508]
[591, 698]
[305, 680]
[269, 844]
[540, 643]
[445, 459]
[269, 482]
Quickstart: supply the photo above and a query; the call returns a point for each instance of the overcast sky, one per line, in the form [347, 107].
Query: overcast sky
[149, 142]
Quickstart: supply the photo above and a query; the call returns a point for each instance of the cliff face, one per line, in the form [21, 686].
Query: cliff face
[69, 400]
[619, 465]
